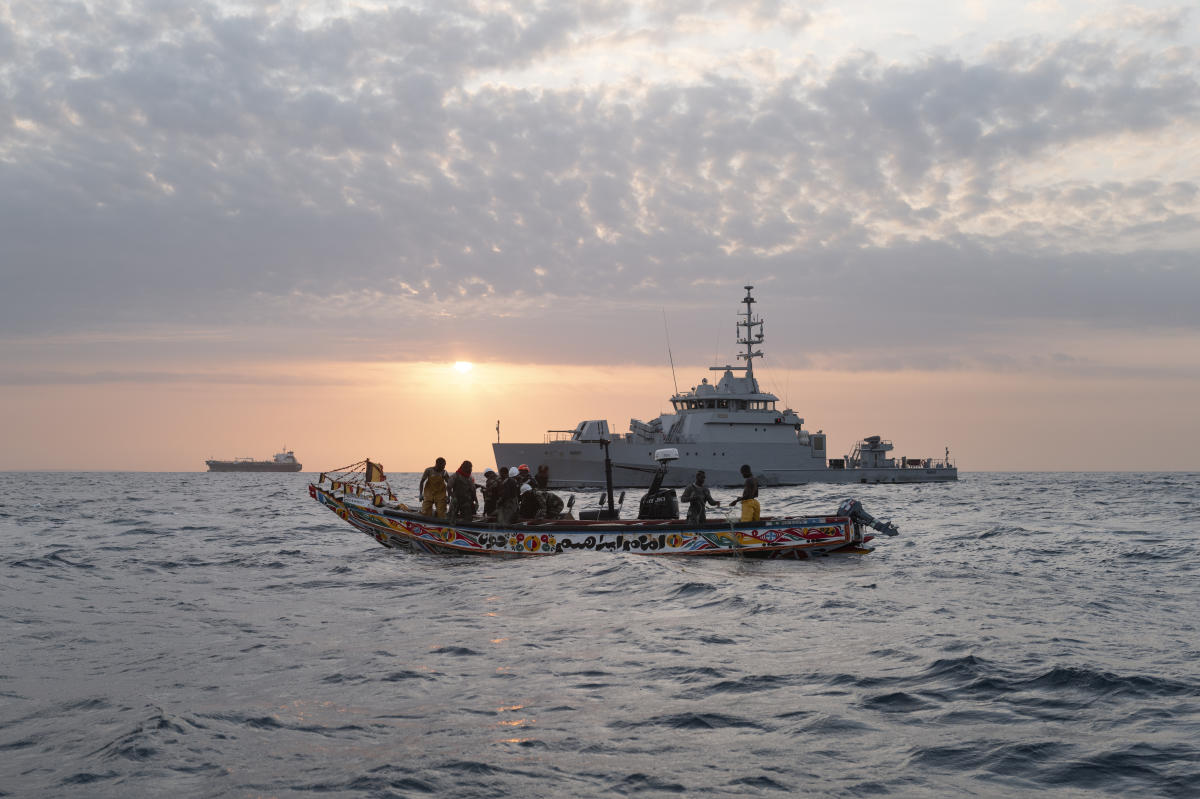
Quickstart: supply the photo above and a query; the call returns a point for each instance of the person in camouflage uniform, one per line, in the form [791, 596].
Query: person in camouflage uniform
[698, 495]
[507, 493]
[463, 502]
[491, 489]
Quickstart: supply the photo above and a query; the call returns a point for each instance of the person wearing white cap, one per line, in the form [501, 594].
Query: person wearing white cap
[491, 485]
[532, 503]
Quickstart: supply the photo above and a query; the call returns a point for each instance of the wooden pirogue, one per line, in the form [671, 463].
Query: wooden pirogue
[372, 507]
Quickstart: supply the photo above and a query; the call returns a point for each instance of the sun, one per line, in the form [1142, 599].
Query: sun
[463, 366]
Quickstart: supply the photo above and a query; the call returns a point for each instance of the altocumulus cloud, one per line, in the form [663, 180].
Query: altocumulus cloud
[404, 166]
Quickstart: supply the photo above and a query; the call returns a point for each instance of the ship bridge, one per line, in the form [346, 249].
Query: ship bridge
[731, 393]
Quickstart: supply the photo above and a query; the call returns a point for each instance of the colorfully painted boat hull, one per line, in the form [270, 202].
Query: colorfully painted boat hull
[392, 525]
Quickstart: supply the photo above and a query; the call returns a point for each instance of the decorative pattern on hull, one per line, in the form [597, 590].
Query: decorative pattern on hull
[392, 525]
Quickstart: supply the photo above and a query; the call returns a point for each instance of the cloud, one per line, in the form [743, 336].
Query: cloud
[1160, 22]
[159, 377]
[210, 166]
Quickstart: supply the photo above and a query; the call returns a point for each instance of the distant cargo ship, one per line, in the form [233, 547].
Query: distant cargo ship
[282, 462]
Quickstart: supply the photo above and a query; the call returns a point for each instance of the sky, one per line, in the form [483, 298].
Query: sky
[230, 227]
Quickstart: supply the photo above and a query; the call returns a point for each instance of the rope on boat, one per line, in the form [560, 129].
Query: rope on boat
[355, 475]
[351, 468]
[732, 535]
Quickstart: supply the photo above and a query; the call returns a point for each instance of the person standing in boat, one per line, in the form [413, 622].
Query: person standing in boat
[491, 487]
[508, 491]
[534, 499]
[699, 496]
[530, 503]
[432, 490]
[462, 494]
[751, 512]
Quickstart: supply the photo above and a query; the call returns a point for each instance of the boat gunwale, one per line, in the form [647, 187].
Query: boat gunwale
[593, 525]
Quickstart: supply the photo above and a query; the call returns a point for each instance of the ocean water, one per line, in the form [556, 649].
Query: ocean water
[223, 635]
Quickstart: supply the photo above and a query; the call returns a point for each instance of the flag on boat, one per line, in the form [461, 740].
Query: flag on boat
[374, 473]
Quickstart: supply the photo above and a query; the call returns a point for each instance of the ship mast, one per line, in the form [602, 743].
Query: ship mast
[753, 335]
[750, 337]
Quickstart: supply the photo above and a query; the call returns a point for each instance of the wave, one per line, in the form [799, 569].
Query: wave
[1065, 764]
[52, 561]
[691, 720]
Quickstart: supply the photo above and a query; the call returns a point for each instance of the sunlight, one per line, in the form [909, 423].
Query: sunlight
[464, 366]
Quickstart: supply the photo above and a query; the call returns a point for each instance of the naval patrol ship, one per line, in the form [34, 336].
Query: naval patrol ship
[718, 428]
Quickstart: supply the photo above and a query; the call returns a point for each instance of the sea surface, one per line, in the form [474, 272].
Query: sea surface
[223, 635]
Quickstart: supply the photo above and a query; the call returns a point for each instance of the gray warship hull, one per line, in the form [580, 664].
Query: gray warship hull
[577, 464]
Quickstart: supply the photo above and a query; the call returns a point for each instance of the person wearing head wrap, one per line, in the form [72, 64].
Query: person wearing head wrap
[462, 494]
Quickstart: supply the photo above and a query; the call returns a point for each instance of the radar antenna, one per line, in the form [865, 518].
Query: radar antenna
[753, 334]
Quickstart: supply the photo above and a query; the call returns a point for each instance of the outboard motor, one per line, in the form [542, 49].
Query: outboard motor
[659, 502]
[854, 509]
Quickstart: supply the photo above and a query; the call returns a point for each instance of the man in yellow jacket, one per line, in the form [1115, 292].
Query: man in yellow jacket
[433, 490]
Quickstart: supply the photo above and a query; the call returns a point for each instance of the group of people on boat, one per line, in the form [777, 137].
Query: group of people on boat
[699, 497]
[511, 494]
